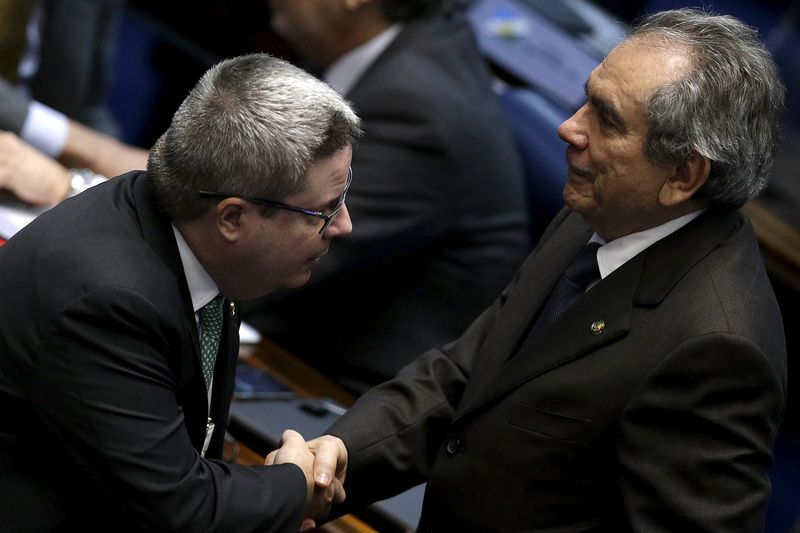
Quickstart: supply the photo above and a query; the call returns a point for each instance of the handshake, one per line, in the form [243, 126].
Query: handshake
[324, 463]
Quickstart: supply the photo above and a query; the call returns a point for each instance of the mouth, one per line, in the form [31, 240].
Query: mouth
[575, 169]
[579, 171]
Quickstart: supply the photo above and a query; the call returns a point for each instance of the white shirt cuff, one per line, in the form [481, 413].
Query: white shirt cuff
[46, 129]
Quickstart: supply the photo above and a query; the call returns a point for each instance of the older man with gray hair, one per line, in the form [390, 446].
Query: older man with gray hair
[632, 377]
[118, 327]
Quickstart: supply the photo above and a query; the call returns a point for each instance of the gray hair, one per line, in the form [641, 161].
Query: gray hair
[252, 126]
[726, 107]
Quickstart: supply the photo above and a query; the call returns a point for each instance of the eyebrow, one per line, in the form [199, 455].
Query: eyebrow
[334, 202]
[330, 206]
[605, 108]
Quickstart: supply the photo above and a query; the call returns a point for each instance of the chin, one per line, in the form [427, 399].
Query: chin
[571, 198]
[299, 280]
[576, 201]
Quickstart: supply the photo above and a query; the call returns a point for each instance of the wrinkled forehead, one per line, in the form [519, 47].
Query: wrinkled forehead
[638, 66]
[659, 56]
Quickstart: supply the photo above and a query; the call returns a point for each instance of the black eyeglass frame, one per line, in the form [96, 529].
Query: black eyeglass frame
[327, 218]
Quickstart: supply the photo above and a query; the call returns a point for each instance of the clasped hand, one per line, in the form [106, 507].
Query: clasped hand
[324, 463]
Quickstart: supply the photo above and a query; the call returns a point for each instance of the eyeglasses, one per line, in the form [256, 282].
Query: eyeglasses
[328, 218]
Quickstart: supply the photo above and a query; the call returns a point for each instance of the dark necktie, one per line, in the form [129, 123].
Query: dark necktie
[573, 282]
[210, 333]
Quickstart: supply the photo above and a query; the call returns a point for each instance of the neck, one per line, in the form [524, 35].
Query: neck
[362, 27]
[651, 221]
[196, 235]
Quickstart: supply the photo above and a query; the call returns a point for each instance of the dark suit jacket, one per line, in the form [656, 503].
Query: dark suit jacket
[77, 44]
[103, 406]
[438, 209]
[662, 422]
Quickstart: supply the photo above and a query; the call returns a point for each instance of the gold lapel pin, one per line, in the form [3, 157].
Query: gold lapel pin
[597, 327]
[232, 307]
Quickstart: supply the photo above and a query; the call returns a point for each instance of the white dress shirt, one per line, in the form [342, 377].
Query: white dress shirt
[343, 74]
[202, 288]
[613, 254]
[45, 128]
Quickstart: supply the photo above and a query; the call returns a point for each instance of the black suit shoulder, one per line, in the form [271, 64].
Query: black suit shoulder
[97, 241]
[99, 358]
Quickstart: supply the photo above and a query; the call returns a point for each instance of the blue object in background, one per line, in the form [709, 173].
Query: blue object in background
[783, 508]
[534, 121]
[154, 69]
[530, 47]
[137, 84]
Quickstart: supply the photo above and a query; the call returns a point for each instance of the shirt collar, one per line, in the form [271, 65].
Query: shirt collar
[612, 255]
[345, 72]
[202, 288]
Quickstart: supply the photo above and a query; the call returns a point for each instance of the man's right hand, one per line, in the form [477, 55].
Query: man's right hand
[293, 450]
[320, 494]
[324, 463]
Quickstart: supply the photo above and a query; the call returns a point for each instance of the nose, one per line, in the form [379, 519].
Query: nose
[572, 130]
[341, 225]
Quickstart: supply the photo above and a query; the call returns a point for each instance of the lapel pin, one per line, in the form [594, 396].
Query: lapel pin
[597, 327]
[232, 307]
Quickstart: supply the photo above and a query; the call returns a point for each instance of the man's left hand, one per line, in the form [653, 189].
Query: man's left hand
[32, 176]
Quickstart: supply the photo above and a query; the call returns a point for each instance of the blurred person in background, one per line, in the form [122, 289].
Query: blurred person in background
[439, 203]
[56, 133]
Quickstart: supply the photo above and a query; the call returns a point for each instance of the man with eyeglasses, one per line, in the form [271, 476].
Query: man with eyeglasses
[439, 196]
[118, 327]
[327, 218]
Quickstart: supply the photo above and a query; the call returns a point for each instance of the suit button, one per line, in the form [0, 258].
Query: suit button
[452, 446]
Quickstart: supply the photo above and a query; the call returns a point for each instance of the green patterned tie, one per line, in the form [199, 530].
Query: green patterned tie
[210, 332]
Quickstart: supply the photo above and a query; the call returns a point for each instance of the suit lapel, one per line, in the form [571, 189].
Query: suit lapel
[681, 251]
[536, 279]
[224, 375]
[643, 280]
[607, 306]
[157, 231]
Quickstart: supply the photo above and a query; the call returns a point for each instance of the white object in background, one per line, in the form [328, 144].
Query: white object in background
[15, 217]
[248, 334]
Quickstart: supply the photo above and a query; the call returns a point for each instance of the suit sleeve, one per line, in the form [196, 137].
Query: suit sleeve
[103, 388]
[393, 433]
[695, 442]
[13, 107]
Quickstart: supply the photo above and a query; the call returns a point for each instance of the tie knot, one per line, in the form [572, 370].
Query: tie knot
[211, 309]
[583, 268]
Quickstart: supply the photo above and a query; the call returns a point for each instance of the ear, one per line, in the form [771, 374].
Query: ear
[689, 176]
[230, 215]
